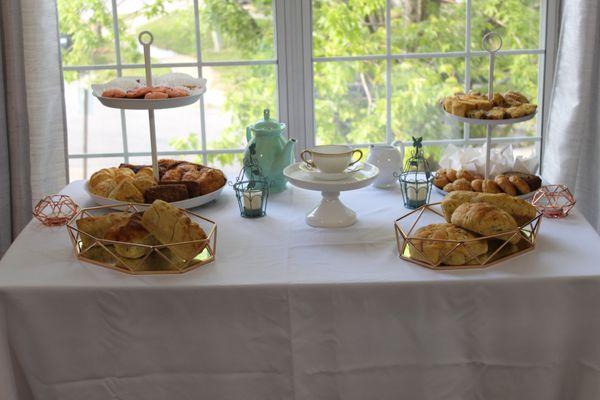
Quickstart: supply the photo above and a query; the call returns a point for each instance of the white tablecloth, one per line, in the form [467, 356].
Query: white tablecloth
[292, 312]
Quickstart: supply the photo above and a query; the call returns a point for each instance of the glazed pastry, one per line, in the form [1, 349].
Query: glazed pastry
[476, 185]
[489, 186]
[521, 210]
[145, 171]
[126, 192]
[123, 173]
[452, 200]
[534, 181]
[436, 252]
[138, 93]
[168, 192]
[116, 93]
[170, 225]
[520, 184]
[131, 232]
[99, 176]
[104, 188]
[465, 175]
[451, 174]
[505, 185]
[486, 219]
[462, 184]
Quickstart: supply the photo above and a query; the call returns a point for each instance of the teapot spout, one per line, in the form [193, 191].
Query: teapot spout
[286, 157]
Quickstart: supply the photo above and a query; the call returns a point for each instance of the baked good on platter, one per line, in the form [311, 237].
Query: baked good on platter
[534, 181]
[97, 226]
[512, 183]
[126, 192]
[520, 184]
[132, 231]
[452, 200]
[486, 219]
[521, 210]
[167, 192]
[170, 225]
[477, 106]
[442, 252]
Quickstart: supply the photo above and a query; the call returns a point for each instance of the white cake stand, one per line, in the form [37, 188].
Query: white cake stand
[331, 212]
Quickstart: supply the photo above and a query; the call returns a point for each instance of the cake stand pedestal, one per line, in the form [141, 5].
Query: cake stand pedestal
[331, 212]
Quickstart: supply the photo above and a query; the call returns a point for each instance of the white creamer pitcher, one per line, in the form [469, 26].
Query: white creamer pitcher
[388, 158]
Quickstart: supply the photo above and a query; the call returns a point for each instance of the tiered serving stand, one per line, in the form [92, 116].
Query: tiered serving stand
[492, 43]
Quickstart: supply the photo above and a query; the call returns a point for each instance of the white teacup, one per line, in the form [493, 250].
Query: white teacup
[331, 158]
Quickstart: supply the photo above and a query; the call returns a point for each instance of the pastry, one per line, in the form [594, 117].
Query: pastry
[489, 186]
[117, 93]
[99, 176]
[440, 252]
[520, 184]
[452, 200]
[476, 185]
[126, 192]
[156, 95]
[486, 219]
[104, 188]
[168, 192]
[441, 180]
[211, 180]
[451, 174]
[534, 181]
[505, 185]
[465, 175]
[97, 226]
[514, 98]
[496, 113]
[143, 182]
[131, 231]
[521, 210]
[145, 171]
[521, 110]
[462, 184]
[477, 106]
[448, 188]
[138, 93]
[498, 100]
[170, 225]
[123, 173]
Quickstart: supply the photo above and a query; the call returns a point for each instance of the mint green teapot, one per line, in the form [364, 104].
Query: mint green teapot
[271, 149]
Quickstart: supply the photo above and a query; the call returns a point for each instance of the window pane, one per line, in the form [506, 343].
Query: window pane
[237, 30]
[417, 86]
[84, 168]
[518, 21]
[428, 26]
[236, 97]
[342, 28]
[171, 24]
[92, 128]
[350, 102]
[230, 164]
[86, 32]
[517, 73]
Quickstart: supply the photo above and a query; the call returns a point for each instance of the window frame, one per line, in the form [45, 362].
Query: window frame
[295, 62]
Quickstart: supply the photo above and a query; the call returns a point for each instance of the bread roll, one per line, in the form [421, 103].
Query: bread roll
[521, 210]
[440, 181]
[486, 219]
[170, 225]
[436, 252]
[520, 184]
[452, 200]
[448, 188]
[462, 174]
[476, 185]
[489, 186]
[451, 174]
[504, 184]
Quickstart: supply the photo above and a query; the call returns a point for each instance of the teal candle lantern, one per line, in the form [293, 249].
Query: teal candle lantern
[416, 178]
[251, 188]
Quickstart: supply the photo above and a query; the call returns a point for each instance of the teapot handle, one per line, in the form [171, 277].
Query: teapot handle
[400, 145]
[248, 134]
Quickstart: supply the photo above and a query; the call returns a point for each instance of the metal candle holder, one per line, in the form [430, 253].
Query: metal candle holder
[251, 187]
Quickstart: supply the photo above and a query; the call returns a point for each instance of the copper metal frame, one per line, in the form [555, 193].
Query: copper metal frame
[55, 210]
[554, 201]
[528, 233]
[158, 253]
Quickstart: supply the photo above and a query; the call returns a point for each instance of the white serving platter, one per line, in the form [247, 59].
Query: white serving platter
[142, 104]
[491, 122]
[185, 204]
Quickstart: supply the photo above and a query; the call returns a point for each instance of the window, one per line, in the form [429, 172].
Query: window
[343, 71]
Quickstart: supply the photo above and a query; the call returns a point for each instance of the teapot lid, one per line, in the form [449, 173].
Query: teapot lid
[268, 124]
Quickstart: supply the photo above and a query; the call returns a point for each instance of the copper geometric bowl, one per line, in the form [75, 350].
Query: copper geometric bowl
[156, 259]
[500, 247]
[55, 210]
[554, 201]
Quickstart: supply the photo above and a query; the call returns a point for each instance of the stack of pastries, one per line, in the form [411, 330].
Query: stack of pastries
[477, 106]
[132, 233]
[469, 216]
[179, 180]
[512, 183]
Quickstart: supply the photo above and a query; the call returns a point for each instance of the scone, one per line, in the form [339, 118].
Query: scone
[436, 252]
[455, 199]
[127, 192]
[521, 210]
[486, 219]
[132, 232]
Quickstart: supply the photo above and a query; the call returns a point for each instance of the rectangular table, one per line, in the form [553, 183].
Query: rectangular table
[292, 312]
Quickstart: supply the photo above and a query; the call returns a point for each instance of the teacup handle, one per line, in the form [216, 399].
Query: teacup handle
[309, 161]
[359, 157]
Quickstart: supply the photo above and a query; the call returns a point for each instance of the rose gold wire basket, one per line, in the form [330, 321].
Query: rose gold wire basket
[500, 247]
[156, 259]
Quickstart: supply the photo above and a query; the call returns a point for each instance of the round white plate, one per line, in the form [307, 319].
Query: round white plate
[362, 178]
[473, 121]
[521, 196]
[329, 176]
[185, 204]
[143, 104]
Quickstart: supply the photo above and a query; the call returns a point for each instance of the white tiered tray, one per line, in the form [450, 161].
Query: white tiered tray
[489, 122]
[331, 212]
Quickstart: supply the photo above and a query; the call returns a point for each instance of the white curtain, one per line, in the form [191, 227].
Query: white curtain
[572, 145]
[32, 130]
